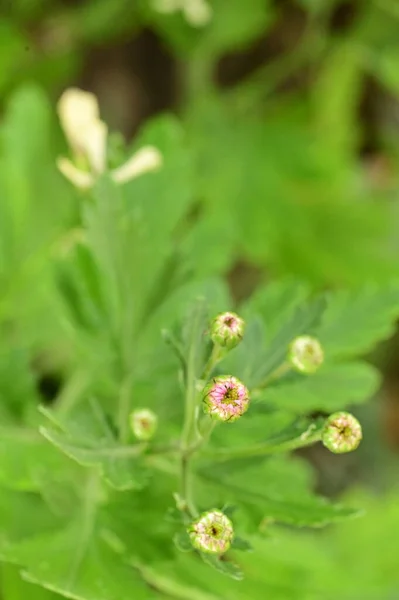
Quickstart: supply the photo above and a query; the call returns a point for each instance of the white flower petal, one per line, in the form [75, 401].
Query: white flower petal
[77, 110]
[197, 12]
[80, 119]
[146, 159]
[167, 6]
[95, 145]
[80, 179]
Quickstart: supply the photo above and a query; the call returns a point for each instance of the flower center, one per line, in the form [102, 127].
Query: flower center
[231, 394]
[214, 531]
[229, 321]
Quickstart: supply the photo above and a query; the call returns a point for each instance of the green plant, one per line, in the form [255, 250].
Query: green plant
[88, 510]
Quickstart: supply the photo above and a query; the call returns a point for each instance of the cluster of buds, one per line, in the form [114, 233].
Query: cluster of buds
[226, 398]
[212, 532]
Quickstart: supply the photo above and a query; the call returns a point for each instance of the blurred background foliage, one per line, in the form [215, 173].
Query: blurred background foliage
[280, 121]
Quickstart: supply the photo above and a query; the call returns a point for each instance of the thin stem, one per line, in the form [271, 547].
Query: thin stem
[281, 370]
[189, 416]
[124, 407]
[215, 357]
[186, 487]
[309, 437]
[205, 435]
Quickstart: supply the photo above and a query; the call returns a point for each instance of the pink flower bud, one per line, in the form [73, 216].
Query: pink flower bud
[227, 330]
[212, 532]
[226, 398]
[341, 433]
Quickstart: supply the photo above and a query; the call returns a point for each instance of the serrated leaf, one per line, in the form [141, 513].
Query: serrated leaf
[277, 489]
[87, 438]
[354, 322]
[77, 564]
[298, 433]
[331, 388]
[119, 465]
[255, 360]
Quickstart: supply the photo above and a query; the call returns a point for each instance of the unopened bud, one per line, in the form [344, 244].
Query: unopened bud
[143, 423]
[212, 532]
[305, 354]
[341, 433]
[227, 330]
[226, 398]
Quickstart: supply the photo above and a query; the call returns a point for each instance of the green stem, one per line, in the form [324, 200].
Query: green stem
[189, 416]
[215, 357]
[123, 412]
[308, 438]
[281, 370]
[197, 77]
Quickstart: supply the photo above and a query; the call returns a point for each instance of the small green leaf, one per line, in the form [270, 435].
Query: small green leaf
[221, 564]
[241, 544]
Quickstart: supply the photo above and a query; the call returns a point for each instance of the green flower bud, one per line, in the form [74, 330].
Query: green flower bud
[341, 433]
[227, 330]
[305, 354]
[143, 423]
[212, 532]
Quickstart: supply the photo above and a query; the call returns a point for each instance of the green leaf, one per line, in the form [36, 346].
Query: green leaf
[285, 498]
[88, 439]
[264, 440]
[354, 322]
[75, 562]
[253, 361]
[27, 462]
[13, 587]
[331, 388]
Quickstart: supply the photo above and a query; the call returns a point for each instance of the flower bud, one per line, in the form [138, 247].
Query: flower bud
[212, 532]
[341, 433]
[226, 398]
[227, 330]
[305, 354]
[143, 423]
